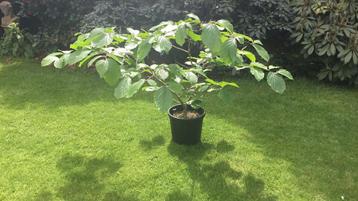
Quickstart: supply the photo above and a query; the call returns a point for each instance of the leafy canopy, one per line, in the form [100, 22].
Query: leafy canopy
[122, 60]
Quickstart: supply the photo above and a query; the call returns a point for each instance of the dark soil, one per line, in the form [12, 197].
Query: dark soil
[186, 114]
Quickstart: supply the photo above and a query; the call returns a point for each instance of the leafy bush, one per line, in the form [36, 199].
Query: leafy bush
[259, 17]
[58, 20]
[121, 60]
[14, 43]
[134, 13]
[328, 31]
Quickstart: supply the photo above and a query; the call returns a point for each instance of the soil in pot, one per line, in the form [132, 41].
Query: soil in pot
[190, 114]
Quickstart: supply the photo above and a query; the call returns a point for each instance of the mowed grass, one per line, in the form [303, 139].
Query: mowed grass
[64, 137]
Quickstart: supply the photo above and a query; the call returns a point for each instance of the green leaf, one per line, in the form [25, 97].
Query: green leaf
[276, 82]
[60, 63]
[143, 50]
[163, 74]
[163, 99]
[224, 84]
[248, 54]
[191, 77]
[257, 73]
[134, 88]
[50, 59]
[133, 31]
[150, 88]
[355, 58]
[121, 90]
[195, 37]
[211, 37]
[77, 56]
[193, 16]
[99, 38]
[114, 72]
[258, 42]
[262, 52]
[310, 50]
[102, 67]
[80, 42]
[152, 82]
[348, 57]
[227, 25]
[93, 60]
[258, 65]
[229, 51]
[110, 70]
[196, 104]
[87, 59]
[333, 49]
[176, 87]
[169, 29]
[181, 34]
[175, 69]
[163, 45]
[238, 36]
[285, 73]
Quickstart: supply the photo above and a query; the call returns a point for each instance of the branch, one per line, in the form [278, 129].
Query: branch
[181, 49]
[165, 84]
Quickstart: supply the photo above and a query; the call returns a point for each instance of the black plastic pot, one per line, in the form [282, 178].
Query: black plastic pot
[186, 131]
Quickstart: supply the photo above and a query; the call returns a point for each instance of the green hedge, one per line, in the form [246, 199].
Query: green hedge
[59, 19]
[325, 30]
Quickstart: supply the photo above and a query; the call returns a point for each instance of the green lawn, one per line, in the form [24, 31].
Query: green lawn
[64, 137]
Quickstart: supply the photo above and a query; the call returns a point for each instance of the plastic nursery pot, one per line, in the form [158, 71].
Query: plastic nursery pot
[186, 131]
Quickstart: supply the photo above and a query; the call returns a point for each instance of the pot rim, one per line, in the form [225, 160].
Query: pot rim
[172, 116]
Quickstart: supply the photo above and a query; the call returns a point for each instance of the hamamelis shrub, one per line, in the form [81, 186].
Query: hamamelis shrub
[122, 60]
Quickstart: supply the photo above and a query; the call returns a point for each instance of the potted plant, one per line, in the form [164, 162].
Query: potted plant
[122, 61]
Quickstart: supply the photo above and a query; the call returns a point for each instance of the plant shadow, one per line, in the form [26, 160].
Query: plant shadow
[86, 179]
[224, 147]
[219, 181]
[308, 127]
[155, 142]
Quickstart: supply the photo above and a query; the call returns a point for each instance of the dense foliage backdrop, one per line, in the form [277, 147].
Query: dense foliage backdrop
[316, 37]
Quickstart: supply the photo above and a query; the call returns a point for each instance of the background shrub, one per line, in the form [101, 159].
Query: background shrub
[328, 32]
[56, 20]
[52, 22]
[325, 30]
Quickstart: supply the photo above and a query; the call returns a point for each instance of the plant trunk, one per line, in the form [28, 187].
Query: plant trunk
[185, 109]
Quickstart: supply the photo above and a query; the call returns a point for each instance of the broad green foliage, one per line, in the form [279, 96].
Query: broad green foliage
[121, 60]
[211, 37]
[109, 70]
[328, 30]
[276, 82]
[164, 98]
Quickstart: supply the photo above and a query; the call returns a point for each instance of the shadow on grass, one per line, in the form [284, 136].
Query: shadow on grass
[312, 127]
[219, 181]
[309, 126]
[155, 142]
[85, 180]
